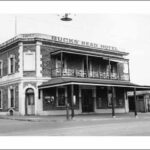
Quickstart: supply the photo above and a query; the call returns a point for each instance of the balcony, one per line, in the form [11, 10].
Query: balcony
[58, 72]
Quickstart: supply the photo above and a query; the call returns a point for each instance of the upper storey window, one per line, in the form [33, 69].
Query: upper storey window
[11, 64]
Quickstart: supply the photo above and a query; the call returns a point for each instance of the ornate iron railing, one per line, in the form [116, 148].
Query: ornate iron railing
[58, 72]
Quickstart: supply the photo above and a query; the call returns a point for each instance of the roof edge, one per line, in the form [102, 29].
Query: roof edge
[62, 40]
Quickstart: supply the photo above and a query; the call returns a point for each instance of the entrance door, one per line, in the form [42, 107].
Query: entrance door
[30, 107]
[131, 104]
[87, 100]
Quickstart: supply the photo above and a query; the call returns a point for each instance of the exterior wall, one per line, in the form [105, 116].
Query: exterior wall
[143, 102]
[5, 97]
[45, 52]
[59, 112]
[46, 60]
[117, 110]
[4, 57]
[9, 80]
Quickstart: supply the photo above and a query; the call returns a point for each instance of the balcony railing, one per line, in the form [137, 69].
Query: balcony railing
[58, 72]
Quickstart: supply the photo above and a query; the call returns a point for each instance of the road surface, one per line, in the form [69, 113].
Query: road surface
[89, 127]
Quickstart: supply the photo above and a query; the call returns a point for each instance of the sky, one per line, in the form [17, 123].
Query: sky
[128, 31]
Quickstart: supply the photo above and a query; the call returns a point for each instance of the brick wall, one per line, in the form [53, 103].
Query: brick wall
[46, 67]
[4, 57]
[5, 96]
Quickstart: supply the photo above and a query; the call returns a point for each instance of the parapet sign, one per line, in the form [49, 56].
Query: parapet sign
[82, 43]
[62, 40]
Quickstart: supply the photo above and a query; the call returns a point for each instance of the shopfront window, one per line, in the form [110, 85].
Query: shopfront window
[61, 96]
[101, 97]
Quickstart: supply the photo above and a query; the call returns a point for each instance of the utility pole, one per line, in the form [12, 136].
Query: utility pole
[15, 25]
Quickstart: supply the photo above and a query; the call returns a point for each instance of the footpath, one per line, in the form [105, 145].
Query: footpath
[83, 117]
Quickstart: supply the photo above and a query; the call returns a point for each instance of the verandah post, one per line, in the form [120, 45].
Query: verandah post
[135, 110]
[87, 66]
[67, 104]
[61, 64]
[72, 104]
[109, 66]
[113, 98]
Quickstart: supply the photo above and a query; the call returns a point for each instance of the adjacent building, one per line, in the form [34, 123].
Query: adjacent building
[41, 74]
[143, 101]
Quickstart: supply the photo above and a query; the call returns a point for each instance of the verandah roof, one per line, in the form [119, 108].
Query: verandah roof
[93, 82]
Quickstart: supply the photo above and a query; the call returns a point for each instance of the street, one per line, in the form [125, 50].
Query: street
[92, 126]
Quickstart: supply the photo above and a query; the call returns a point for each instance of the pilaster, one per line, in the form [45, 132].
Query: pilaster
[20, 59]
[38, 59]
[21, 100]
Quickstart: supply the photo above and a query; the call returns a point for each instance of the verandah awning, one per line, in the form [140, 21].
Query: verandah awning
[92, 82]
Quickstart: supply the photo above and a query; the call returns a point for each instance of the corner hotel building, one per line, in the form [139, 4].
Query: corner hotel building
[40, 74]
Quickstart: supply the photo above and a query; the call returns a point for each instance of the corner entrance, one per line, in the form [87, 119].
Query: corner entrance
[29, 102]
[87, 100]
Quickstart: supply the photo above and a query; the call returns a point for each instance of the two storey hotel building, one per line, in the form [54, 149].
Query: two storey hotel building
[42, 74]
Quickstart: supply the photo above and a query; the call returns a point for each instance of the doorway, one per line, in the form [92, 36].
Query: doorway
[29, 102]
[87, 100]
[131, 104]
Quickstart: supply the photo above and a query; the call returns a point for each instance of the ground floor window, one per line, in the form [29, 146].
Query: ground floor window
[12, 97]
[104, 97]
[49, 99]
[120, 97]
[56, 98]
[101, 97]
[61, 97]
[1, 99]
